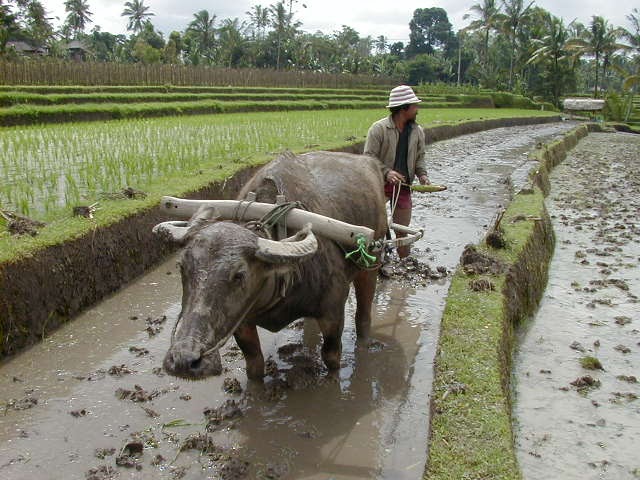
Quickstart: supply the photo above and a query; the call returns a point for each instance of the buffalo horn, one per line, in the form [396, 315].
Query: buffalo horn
[292, 249]
[174, 231]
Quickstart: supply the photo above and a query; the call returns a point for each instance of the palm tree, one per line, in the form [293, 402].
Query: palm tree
[284, 27]
[202, 28]
[137, 13]
[487, 13]
[552, 55]
[633, 36]
[79, 15]
[232, 41]
[514, 14]
[599, 41]
[258, 19]
[632, 78]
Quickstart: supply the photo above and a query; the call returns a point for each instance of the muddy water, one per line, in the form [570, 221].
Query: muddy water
[589, 429]
[69, 402]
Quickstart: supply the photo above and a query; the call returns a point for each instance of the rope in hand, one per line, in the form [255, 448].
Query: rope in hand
[395, 196]
[362, 258]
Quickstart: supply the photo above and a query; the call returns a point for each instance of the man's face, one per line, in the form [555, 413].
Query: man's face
[411, 112]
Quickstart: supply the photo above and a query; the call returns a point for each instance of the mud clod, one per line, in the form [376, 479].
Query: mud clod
[495, 239]
[21, 404]
[577, 346]
[130, 455]
[375, 345]
[78, 413]
[103, 472]
[585, 383]
[150, 412]
[271, 368]
[234, 469]
[286, 351]
[139, 351]
[202, 443]
[104, 452]
[622, 320]
[622, 349]
[20, 225]
[155, 325]
[119, 370]
[216, 416]
[138, 394]
[477, 263]
[232, 385]
[481, 285]
[620, 396]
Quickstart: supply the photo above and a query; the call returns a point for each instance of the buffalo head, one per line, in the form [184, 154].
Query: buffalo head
[228, 272]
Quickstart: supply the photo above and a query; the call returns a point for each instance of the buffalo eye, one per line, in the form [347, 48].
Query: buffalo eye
[239, 277]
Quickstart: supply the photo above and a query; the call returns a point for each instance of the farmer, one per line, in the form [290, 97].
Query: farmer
[397, 141]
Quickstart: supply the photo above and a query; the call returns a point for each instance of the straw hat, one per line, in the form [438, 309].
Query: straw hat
[402, 95]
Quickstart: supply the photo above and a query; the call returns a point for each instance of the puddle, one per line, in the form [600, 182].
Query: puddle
[568, 425]
[92, 401]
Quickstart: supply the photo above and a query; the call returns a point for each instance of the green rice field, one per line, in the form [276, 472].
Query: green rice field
[49, 169]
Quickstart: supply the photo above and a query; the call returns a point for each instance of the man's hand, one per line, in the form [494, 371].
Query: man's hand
[395, 177]
[424, 180]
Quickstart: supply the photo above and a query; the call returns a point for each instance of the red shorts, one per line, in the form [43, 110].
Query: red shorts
[404, 200]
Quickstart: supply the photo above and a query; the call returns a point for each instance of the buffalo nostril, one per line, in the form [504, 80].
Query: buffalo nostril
[195, 363]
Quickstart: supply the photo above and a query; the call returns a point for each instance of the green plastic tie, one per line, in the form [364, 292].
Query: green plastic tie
[362, 256]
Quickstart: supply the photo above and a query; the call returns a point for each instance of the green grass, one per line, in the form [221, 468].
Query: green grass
[590, 363]
[8, 99]
[168, 156]
[471, 431]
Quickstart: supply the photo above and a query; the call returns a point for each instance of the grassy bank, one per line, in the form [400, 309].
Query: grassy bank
[471, 429]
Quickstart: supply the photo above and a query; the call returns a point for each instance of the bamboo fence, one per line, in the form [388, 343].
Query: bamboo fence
[94, 73]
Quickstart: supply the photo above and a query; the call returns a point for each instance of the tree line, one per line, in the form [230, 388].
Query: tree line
[510, 45]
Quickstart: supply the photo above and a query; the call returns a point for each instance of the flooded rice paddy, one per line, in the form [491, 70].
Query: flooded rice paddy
[91, 400]
[577, 411]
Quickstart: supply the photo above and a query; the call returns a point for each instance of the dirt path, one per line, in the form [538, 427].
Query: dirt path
[91, 401]
[574, 422]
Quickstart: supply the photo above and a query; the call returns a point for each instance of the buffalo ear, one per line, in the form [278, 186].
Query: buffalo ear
[206, 213]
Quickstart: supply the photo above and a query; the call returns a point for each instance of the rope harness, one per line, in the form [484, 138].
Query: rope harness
[278, 214]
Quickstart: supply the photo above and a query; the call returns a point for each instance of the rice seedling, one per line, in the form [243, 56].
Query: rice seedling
[48, 169]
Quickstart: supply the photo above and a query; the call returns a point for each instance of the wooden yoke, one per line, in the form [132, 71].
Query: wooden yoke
[341, 232]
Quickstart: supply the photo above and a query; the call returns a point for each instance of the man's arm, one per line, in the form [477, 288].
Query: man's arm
[373, 145]
[421, 162]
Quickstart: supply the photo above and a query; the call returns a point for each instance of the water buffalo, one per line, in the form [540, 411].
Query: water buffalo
[234, 280]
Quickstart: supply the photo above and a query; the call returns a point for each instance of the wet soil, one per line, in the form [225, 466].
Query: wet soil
[576, 409]
[370, 420]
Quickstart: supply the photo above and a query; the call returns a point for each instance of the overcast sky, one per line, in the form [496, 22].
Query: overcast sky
[370, 17]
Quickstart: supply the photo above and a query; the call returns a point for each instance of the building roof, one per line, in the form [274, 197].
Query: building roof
[76, 45]
[21, 46]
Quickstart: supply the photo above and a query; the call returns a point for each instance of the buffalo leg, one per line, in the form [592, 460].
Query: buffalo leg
[247, 339]
[365, 286]
[331, 327]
